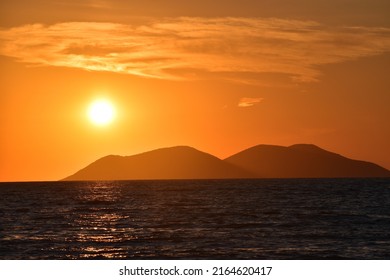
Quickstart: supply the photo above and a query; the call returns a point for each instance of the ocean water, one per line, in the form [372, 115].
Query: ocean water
[196, 219]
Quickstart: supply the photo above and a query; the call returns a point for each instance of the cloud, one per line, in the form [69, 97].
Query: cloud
[94, 4]
[174, 47]
[249, 101]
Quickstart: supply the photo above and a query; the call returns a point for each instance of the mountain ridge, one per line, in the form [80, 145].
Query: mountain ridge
[180, 162]
[302, 161]
[260, 161]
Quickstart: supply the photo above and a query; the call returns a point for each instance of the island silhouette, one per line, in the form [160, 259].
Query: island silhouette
[261, 161]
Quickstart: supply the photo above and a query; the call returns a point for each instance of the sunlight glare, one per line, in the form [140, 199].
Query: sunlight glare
[101, 112]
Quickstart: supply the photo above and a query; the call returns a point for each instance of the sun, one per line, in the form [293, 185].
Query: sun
[101, 112]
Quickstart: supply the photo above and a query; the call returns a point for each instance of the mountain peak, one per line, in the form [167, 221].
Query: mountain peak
[182, 149]
[179, 162]
[302, 161]
[261, 161]
[304, 146]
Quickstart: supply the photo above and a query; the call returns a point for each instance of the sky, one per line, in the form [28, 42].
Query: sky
[220, 76]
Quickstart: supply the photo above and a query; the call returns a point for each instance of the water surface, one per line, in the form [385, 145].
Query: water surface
[196, 219]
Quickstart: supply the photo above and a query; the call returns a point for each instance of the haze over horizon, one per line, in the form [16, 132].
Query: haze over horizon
[84, 79]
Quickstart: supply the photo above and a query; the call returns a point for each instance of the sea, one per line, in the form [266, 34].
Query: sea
[272, 219]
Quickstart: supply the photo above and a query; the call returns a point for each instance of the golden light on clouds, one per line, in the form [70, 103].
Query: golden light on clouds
[170, 48]
[196, 73]
[249, 101]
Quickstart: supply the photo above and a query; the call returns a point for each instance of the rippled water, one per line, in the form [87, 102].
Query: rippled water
[199, 219]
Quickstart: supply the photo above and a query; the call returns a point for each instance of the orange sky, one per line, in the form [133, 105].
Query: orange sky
[220, 76]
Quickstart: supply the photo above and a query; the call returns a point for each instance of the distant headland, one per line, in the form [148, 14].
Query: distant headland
[261, 161]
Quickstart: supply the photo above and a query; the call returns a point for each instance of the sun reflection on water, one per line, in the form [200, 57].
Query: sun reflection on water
[103, 222]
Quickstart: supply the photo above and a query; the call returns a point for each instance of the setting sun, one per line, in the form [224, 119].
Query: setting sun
[100, 77]
[194, 130]
[101, 112]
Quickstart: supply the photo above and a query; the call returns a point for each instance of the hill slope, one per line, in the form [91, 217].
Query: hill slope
[302, 161]
[167, 163]
[262, 161]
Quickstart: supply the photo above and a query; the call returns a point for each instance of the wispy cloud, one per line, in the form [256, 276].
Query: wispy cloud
[94, 4]
[249, 101]
[171, 48]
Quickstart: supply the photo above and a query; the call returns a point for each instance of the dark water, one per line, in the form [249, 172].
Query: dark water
[202, 219]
